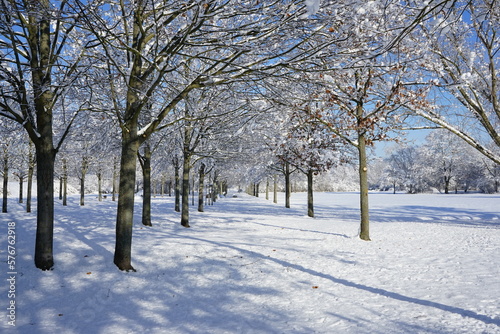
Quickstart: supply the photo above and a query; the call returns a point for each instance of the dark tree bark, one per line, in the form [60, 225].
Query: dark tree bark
[60, 187]
[288, 186]
[125, 212]
[31, 168]
[177, 189]
[45, 156]
[186, 168]
[310, 201]
[65, 183]
[145, 160]
[5, 181]
[84, 170]
[447, 180]
[21, 183]
[201, 187]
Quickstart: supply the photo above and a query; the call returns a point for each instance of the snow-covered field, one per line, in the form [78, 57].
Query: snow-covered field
[250, 266]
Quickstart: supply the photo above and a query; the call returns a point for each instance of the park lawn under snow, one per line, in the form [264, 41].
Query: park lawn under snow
[250, 266]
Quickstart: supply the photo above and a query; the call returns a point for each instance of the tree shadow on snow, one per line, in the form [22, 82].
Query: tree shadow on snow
[383, 292]
[437, 215]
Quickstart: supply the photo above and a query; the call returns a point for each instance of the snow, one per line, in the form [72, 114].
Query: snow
[250, 266]
[312, 6]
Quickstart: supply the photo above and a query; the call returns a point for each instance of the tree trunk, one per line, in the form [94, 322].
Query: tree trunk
[5, 181]
[31, 167]
[267, 188]
[82, 191]
[215, 189]
[310, 202]
[99, 186]
[21, 182]
[146, 193]
[177, 189]
[125, 212]
[162, 185]
[113, 186]
[192, 190]
[84, 170]
[201, 187]
[186, 167]
[60, 187]
[45, 156]
[363, 187]
[288, 186]
[275, 190]
[447, 184]
[65, 183]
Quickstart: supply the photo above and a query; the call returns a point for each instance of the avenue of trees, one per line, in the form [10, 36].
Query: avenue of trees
[194, 94]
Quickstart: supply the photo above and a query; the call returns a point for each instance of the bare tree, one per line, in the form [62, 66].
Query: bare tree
[38, 66]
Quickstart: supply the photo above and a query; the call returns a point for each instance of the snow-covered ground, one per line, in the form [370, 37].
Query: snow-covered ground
[250, 266]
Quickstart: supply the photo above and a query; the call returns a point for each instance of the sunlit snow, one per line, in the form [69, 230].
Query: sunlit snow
[250, 266]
